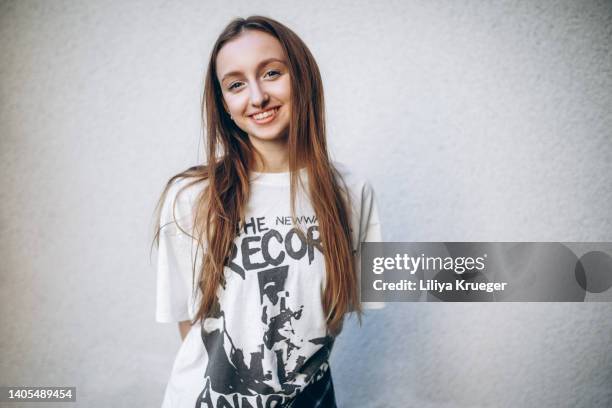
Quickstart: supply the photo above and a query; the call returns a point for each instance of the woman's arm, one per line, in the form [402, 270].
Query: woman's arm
[184, 327]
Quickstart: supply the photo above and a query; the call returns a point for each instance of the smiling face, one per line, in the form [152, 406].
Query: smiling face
[254, 78]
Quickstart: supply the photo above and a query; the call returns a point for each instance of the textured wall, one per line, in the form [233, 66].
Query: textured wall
[473, 120]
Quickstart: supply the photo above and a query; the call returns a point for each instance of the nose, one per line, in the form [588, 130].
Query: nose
[258, 96]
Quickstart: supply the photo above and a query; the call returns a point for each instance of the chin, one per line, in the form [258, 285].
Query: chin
[270, 135]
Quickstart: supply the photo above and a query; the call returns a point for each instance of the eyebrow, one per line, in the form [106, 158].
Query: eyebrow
[261, 64]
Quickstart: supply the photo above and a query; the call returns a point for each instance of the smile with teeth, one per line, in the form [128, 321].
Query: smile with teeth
[265, 115]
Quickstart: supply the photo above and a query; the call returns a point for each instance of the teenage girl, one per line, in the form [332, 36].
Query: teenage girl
[258, 249]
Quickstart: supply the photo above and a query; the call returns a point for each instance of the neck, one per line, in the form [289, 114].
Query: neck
[272, 156]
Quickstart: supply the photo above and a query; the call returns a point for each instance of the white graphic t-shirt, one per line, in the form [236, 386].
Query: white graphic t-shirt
[268, 339]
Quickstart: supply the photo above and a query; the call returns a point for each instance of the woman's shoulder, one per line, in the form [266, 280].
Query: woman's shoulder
[354, 181]
[185, 189]
[188, 184]
[182, 192]
[364, 216]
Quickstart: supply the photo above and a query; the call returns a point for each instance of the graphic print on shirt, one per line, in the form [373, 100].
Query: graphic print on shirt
[269, 369]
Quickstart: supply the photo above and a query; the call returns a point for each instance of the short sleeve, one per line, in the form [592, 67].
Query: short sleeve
[174, 261]
[369, 231]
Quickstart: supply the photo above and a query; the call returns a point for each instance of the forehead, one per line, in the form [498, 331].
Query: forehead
[246, 51]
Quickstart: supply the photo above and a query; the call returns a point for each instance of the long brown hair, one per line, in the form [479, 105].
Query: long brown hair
[221, 204]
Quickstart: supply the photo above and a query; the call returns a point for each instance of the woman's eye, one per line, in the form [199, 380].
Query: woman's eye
[272, 73]
[234, 86]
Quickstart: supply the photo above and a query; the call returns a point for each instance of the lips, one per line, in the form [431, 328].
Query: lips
[266, 116]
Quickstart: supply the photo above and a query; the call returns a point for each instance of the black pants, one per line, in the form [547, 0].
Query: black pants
[319, 394]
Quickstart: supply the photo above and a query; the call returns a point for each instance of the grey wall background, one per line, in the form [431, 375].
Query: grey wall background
[484, 121]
